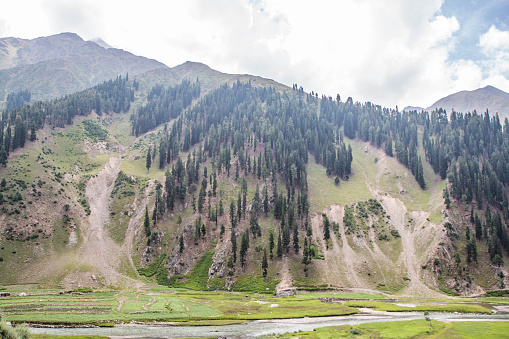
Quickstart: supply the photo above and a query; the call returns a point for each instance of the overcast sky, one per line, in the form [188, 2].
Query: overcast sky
[389, 52]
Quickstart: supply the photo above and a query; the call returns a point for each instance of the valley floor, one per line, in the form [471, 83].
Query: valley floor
[113, 313]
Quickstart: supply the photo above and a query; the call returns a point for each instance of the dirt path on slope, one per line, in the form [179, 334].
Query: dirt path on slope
[286, 278]
[98, 249]
[397, 212]
[343, 255]
[399, 215]
[336, 257]
[135, 222]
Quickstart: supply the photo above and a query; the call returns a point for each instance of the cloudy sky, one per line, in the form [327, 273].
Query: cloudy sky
[390, 52]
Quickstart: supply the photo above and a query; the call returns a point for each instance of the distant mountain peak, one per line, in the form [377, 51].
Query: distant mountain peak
[194, 65]
[63, 63]
[101, 42]
[488, 97]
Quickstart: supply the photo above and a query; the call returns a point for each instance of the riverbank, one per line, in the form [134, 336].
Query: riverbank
[275, 327]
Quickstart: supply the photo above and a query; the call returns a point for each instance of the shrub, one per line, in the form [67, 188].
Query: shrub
[152, 269]
[355, 331]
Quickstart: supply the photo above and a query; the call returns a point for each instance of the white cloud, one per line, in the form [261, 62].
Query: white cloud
[494, 40]
[82, 16]
[390, 52]
[494, 45]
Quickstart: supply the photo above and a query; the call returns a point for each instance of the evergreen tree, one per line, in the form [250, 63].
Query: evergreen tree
[279, 246]
[149, 159]
[271, 243]
[265, 200]
[326, 229]
[265, 264]
[234, 246]
[244, 246]
[447, 200]
[146, 223]
[296, 239]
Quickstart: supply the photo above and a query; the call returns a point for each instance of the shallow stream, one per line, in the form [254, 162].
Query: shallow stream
[259, 327]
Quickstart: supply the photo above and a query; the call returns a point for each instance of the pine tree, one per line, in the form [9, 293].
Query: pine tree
[181, 247]
[244, 246]
[234, 246]
[265, 200]
[447, 200]
[232, 214]
[271, 243]
[265, 264]
[296, 239]
[279, 246]
[149, 159]
[326, 229]
[146, 223]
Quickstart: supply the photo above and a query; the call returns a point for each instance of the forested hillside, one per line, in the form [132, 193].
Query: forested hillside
[218, 188]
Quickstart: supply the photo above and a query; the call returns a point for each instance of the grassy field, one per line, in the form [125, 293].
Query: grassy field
[108, 307]
[420, 307]
[409, 329]
[309, 295]
[51, 336]
[323, 192]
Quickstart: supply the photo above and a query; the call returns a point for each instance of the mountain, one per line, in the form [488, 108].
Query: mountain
[101, 42]
[52, 66]
[413, 108]
[488, 97]
[189, 177]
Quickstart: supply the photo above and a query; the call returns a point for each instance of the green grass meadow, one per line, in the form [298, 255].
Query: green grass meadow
[410, 329]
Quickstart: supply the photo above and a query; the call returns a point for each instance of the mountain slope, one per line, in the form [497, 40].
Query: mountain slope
[480, 99]
[156, 178]
[61, 64]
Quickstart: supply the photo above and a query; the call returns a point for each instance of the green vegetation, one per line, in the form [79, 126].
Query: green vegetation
[153, 268]
[409, 329]
[51, 336]
[499, 293]
[196, 280]
[94, 131]
[423, 307]
[9, 332]
[255, 284]
[105, 308]
[315, 295]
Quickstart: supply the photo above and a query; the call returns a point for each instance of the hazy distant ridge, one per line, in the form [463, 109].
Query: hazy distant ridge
[61, 64]
[489, 97]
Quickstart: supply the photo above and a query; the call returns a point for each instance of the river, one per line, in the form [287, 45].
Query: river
[259, 327]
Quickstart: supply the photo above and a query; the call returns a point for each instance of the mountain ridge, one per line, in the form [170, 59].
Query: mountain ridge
[61, 64]
[361, 216]
[486, 98]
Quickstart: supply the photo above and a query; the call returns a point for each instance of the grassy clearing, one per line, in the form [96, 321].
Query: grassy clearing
[311, 295]
[103, 308]
[409, 329]
[121, 208]
[51, 336]
[196, 280]
[257, 306]
[119, 126]
[323, 192]
[256, 284]
[388, 307]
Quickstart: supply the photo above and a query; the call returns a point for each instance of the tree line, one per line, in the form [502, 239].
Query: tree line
[255, 134]
[22, 122]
